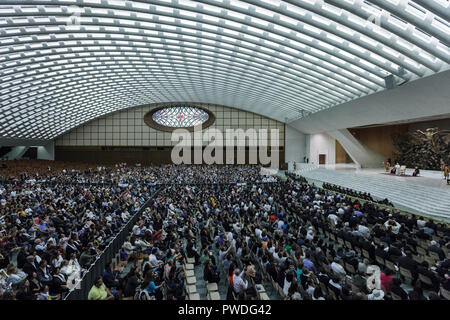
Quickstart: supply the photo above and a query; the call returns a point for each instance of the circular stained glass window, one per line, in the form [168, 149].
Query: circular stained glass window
[171, 118]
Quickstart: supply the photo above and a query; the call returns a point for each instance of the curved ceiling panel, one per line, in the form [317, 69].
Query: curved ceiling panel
[65, 62]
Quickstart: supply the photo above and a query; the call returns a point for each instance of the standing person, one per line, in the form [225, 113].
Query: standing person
[239, 285]
[446, 171]
[397, 168]
[387, 166]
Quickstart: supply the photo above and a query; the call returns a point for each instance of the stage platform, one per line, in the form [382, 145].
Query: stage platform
[427, 194]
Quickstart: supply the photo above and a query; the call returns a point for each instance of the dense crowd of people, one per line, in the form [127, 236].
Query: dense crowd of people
[56, 218]
[239, 227]
[304, 242]
[56, 232]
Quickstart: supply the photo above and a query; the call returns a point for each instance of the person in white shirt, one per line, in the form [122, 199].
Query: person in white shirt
[280, 224]
[394, 225]
[237, 227]
[335, 283]
[144, 245]
[336, 267]
[230, 236]
[258, 232]
[364, 231]
[154, 262]
[310, 234]
[421, 223]
[128, 247]
[239, 285]
[136, 230]
[311, 287]
[125, 215]
[397, 169]
[58, 260]
[334, 218]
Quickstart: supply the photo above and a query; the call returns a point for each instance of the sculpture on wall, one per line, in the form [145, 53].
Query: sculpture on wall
[427, 149]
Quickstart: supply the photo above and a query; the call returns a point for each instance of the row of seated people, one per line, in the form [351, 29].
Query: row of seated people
[299, 240]
[354, 193]
[342, 190]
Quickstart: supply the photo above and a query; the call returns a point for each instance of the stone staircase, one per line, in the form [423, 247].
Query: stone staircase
[424, 200]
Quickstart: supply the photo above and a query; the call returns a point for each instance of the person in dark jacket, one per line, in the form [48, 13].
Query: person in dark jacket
[423, 269]
[132, 283]
[22, 257]
[43, 273]
[434, 247]
[408, 263]
[396, 288]
[210, 273]
[110, 277]
[58, 282]
[394, 251]
[30, 266]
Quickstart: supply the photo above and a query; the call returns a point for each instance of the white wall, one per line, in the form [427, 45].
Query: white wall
[308, 147]
[295, 145]
[421, 98]
[322, 143]
[361, 154]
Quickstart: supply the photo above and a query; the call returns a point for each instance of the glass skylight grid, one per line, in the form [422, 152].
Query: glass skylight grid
[65, 62]
[180, 117]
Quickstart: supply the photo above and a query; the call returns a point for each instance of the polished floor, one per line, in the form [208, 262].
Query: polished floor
[427, 195]
[427, 177]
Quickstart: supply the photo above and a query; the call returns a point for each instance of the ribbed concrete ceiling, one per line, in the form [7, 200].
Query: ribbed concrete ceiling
[65, 62]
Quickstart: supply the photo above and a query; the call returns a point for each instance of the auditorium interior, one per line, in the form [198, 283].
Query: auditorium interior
[225, 150]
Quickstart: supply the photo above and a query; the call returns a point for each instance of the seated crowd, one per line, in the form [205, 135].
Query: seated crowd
[49, 233]
[299, 241]
[356, 194]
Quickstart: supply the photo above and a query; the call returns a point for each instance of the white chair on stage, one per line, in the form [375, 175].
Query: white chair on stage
[402, 170]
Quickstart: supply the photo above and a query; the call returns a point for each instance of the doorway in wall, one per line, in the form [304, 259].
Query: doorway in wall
[322, 158]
